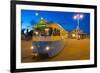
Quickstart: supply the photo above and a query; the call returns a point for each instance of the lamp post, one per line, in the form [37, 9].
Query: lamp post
[78, 17]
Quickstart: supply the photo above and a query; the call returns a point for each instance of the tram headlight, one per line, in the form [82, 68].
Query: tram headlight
[47, 48]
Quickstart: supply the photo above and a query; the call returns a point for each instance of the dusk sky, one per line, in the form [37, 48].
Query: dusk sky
[65, 19]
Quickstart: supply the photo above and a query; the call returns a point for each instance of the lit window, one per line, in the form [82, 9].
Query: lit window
[73, 35]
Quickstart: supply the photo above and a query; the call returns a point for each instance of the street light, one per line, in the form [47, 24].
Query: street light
[36, 14]
[78, 17]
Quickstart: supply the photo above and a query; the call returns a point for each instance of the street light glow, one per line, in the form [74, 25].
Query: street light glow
[78, 16]
[81, 16]
[75, 17]
[36, 14]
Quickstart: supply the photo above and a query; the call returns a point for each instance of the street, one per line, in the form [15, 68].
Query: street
[73, 50]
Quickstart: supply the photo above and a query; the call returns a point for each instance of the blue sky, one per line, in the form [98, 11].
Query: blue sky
[65, 19]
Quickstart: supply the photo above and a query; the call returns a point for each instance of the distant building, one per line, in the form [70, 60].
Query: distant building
[77, 34]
